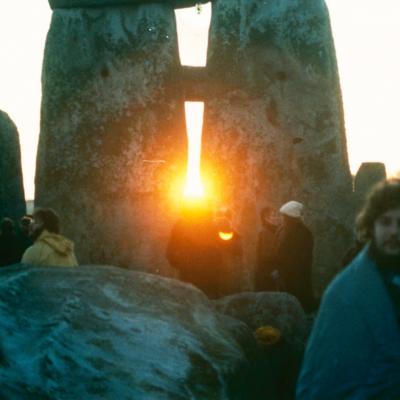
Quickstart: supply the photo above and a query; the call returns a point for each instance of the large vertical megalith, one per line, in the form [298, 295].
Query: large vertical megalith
[12, 198]
[274, 127]
[112, 129]
[368, 175]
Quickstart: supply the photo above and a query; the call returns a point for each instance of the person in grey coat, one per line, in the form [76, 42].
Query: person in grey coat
[354, 348]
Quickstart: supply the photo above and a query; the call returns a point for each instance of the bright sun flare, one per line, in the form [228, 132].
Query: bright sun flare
[194, 125]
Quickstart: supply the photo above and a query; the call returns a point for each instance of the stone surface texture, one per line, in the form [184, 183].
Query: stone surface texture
[115, 3]
[100, 332]
[274, 127]
[112, 131]
[12, 198]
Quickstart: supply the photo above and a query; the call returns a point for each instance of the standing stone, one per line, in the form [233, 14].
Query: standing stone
[12, 198]
[274, 127]
[369, 174]
[112, 131]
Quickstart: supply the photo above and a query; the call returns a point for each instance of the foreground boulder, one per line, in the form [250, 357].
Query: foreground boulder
[102, 332]
[12, 198]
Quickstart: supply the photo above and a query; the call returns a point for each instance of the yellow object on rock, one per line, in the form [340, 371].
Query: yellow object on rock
[268, 335]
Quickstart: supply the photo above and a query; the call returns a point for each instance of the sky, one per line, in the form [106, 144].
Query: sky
[366, 35]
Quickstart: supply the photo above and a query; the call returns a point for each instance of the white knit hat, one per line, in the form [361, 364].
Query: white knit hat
[292, 209]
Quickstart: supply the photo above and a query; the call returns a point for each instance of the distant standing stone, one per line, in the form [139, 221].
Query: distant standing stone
[12, 198]
[369, 174]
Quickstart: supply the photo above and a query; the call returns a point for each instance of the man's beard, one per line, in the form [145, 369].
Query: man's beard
[384, 260]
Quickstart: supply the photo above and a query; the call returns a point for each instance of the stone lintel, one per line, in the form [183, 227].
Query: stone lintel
[194, 83]
[117, 3]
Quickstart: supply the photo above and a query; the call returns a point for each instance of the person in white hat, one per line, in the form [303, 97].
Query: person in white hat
[292, 209]
[293, 254]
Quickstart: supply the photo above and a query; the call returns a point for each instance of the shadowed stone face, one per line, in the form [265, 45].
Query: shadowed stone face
[12, 199]
[274, 109]
[112, 130]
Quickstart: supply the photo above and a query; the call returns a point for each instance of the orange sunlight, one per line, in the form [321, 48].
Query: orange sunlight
[225, 235]
[194, 125]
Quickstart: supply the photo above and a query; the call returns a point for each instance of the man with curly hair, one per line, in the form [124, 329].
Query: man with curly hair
[354, 348]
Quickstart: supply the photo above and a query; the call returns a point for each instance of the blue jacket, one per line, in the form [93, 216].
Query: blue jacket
[354, 348]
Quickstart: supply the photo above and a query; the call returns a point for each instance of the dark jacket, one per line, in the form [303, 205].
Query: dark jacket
[354, 348]
[293, 259]
[265, 258]
[9, 249]
[231, 270]
[192, 249]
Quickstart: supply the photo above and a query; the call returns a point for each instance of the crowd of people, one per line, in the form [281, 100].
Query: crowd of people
[37, 241]
[203, 246]
[354, 348]
[207, 252]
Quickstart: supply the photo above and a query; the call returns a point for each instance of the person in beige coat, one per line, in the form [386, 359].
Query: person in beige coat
[49, 248]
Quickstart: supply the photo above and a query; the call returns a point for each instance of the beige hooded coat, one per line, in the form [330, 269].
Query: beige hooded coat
[51, 249]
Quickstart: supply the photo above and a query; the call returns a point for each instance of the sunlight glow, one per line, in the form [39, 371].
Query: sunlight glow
[194, 124]
[225, 235]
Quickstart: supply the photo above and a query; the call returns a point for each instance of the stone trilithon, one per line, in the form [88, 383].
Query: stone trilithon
[113, 96]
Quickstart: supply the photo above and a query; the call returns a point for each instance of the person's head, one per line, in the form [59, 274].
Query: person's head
[44, 219]
[379, 219]
[25, 223]
[7, 226]
[292, 211]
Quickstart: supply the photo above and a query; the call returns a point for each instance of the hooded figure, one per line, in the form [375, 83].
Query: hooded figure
[192, 249]
[293, 254]
[49, 248]
[229, 243]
